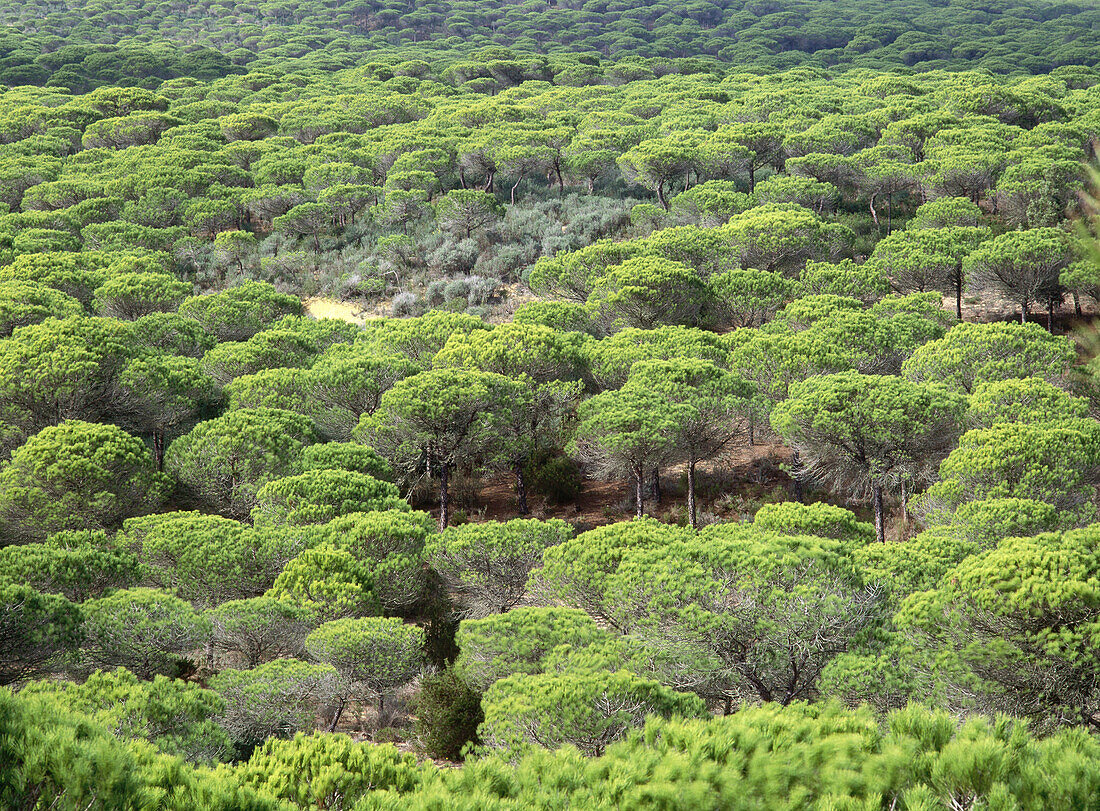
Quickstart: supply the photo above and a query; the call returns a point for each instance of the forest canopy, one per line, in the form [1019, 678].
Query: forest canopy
[549, 405]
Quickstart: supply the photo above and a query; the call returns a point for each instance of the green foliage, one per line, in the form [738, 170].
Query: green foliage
[132, 295]
[63, 369]
[327, 582]
[276, 699]
[207, 558]
[1018, 623]
[820, 519]
[646, 292]
[863, 432]
[746, 298]
[317, 496]
[347, 456]
[148, 632]
[577, 571]
[240, 312]
[268, 349]
[381, 653]
[35, 630]
[625, 433]
[79, 565]
[488, 563]
[1022, 266]
[448, 712]
[1030, 400]
[78, 475]
[391, 544]
[259, 629]
[223, 462]
[561, 316]
[53, 756]
[844, 278]
[611, 359]
[173, 334]
[589, 711]
[442, 416]
[465, 211]
[514, 350]
[176, 716]
[983, 353]
[989, 521]
[1047, 462]
[348, 381]
[24, 303]
[325, 771]
[744, 614]
[500, 645]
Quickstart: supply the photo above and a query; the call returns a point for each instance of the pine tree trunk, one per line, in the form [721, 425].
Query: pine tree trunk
[958, 294]
[655, 484]
[336, 715]
[691, 495]
[639, 491]
[444, 495]
[158, 447]
[521, 488]
[880, 525]
[796, 477]
[904, 500]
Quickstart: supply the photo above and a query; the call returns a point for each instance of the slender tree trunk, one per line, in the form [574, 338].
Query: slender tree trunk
[158, 447]
[1023, 311]
[1076, 304]
[691, 495]
[958, 293]
[752, 429]
[655, 484]
[796, 477]
[752, 178]
[381, 708]
[639, 491]
[880, 526]
[444, 495]
[661, 194]
[1050, 315]
[874, 215]
[521, 488]
[904, 500]
[520, 180]
[336, 715]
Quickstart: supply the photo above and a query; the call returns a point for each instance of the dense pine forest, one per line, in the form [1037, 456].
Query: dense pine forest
[549, 405]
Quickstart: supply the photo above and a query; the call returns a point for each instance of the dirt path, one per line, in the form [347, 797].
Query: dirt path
[331, 308]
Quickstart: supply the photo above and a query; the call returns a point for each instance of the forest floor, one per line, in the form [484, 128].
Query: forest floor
[731, 487]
